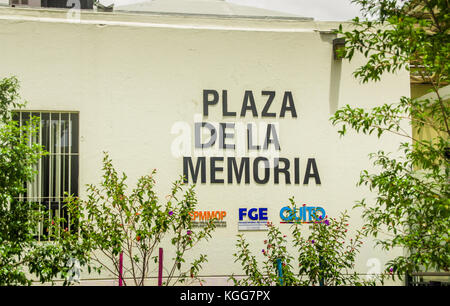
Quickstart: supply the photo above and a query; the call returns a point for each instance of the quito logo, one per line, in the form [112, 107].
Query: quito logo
[303, 214]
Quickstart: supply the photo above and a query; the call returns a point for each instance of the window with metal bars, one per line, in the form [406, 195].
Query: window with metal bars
[57, 172]
[19, 2]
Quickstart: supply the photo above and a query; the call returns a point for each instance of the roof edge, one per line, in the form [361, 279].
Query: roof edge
[179, 21]
[218, 16]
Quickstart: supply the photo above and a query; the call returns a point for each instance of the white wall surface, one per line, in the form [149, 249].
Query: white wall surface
[131, 82]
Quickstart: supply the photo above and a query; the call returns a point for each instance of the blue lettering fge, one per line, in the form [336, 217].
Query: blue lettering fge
[253, 214]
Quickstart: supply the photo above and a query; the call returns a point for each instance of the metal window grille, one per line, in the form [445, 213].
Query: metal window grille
[19, 2]
[57, 172]
[428, 279]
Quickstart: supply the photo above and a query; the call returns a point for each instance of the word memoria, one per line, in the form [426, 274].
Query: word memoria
[261, 170]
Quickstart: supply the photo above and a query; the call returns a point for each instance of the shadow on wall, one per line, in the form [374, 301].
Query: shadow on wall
[335, 73]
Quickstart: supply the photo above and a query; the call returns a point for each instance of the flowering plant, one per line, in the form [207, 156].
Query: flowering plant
[327, 256]
[110, 222]
[324, 257]
[275, 251]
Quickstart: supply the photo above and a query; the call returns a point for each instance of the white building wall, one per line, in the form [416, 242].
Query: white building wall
[133, 77]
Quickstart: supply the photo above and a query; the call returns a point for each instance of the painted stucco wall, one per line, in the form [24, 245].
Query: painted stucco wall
[132, 78]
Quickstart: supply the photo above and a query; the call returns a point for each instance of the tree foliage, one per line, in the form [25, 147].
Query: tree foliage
[413, 196]
[22, 257]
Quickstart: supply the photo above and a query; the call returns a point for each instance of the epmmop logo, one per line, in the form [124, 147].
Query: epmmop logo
[303, 214]
[253, 219]
[202, 218]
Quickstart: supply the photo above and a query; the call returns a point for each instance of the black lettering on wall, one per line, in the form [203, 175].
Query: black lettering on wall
[198, 135]
[244, 169]
[250, 145]
[314, 174]
[256, 170]
[284, 170]
[215, 169]
[200, 167]
[248, 97]
[271, 130]
[288, 99]
[225, 111]
[265, 111]
[224, 135]
[207, 102]
[296, 170]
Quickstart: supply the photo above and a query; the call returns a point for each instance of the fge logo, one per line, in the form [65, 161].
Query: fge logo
[253, 214]
[253, 219]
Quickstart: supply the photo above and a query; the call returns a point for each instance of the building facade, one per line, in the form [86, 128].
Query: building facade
[151, 89]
